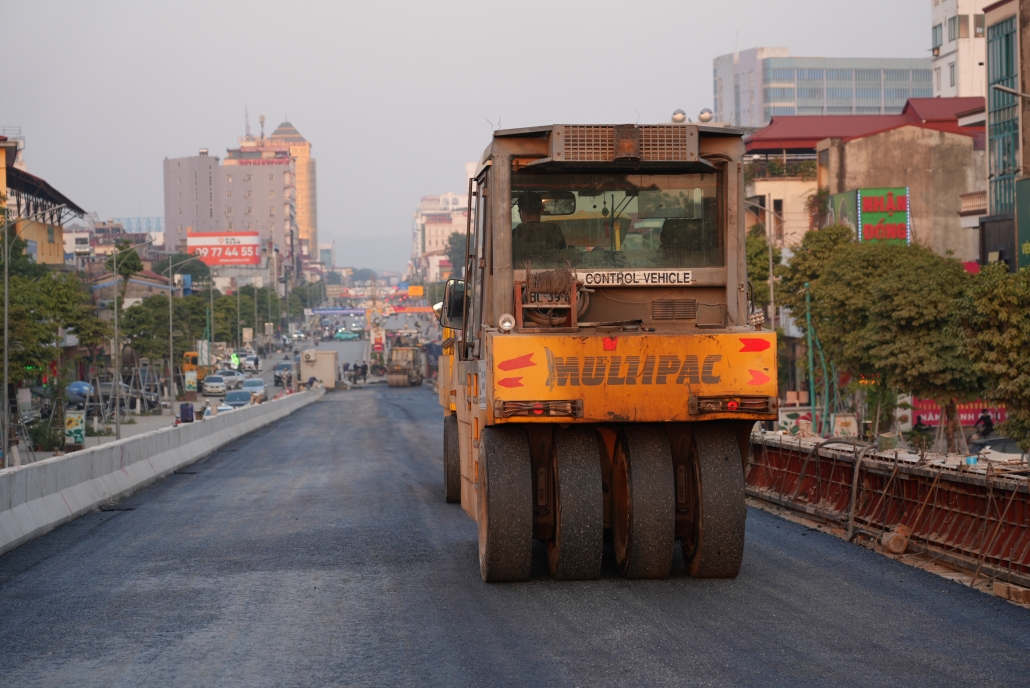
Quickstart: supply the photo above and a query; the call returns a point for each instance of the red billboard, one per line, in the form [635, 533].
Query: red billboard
[225, 248]
[930, 413]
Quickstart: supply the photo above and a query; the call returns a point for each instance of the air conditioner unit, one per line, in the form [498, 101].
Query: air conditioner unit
[309, 356]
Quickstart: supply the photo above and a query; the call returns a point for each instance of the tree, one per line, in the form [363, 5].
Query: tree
[758, 263]
[816, 249]
[333, 277]
[456, 252]
[22, 264]
[195, 267]
[364, 275]
[889, 312]
[125, 263]
[995, 318]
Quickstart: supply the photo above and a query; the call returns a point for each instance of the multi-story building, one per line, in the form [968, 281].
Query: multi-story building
[265, 185]
[436, 219]
[299, 150]
[959, 44]
[751, 87]
[327, 255]
[1004, 235]
[36, 210]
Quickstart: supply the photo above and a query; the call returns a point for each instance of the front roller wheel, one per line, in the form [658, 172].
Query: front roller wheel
[714, 547]
[451, 460]
[575, 553]
[643, 503]
[505, 505]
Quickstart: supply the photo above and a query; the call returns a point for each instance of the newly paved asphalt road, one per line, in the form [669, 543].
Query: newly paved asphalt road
[319, 551]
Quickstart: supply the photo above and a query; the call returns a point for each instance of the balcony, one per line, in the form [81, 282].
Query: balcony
[973, 203]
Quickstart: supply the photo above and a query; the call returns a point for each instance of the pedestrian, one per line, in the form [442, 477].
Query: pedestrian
[985, 424]
[364, 372]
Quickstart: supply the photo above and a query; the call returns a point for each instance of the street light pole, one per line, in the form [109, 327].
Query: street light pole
[7, 303]
[117, 382]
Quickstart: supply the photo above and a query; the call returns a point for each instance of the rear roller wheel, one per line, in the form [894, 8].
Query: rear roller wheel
[643, 503]
[575, 552]
[505, 505]
[451, 460]
[714, 547]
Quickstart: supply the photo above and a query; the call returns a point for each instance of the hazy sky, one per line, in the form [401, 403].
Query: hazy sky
[394, 96]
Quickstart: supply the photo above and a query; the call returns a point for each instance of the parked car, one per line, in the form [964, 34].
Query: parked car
[214, 385]
[238, 398]
[233, 379]
[997, 448]
[255, 386]
[127, 396]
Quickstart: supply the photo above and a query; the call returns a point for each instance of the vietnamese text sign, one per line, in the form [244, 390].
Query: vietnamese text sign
[883, 215]
[929, 412]
[416, 290]
[225, 248]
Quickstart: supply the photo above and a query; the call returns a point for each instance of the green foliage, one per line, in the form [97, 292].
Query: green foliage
[190, 265]
[333, 277]
[816, 249]
[47, 437]
[128, 262]
[995, 318]
[456, 251]
[758, 263]
[364, 275]
[22, 264]
[38, 309]
[889, 311]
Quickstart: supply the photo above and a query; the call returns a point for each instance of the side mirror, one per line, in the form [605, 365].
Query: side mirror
[438, 310]
[453, 313]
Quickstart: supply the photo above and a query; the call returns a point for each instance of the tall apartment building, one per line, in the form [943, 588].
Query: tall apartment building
[752, 86]
[436, 219]
[266, 184]
[959, 47]
[299, 149]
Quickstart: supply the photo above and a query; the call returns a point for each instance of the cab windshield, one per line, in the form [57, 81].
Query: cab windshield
[624, 221]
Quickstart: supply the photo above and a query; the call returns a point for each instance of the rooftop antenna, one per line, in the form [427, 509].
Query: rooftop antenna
[261, 119]
[246, 121]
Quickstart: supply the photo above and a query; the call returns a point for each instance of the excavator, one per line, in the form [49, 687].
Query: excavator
[604, 361]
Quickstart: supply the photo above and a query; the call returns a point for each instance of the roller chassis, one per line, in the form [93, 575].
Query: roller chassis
[561, 432]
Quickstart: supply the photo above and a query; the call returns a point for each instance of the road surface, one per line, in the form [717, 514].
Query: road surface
[319, 551]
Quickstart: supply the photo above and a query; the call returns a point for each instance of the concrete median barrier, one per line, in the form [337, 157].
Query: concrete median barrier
[37, 498]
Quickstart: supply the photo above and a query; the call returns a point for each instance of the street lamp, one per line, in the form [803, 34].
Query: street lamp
[7, 305]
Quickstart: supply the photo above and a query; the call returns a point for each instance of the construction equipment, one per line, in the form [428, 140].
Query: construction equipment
[605, 365]
[191, 361]
[406, 365]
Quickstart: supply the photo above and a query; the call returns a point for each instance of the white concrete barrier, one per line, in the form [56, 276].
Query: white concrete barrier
[36, 498]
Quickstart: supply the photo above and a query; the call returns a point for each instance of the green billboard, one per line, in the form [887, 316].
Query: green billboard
[883, 215]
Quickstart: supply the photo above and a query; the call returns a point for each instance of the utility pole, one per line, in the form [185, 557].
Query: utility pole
[239, 333]
[811, 362]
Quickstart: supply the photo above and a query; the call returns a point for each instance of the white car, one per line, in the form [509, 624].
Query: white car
[233, 380]
[251, 364]
[214, 385]
[255, 386]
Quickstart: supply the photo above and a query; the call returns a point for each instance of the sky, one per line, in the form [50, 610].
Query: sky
[395, 97]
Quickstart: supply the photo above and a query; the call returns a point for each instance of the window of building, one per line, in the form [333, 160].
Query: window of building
[271, 210]
[230, 224]
[978, 25]
[50, 234]
[937, 77]
[228, 178]
[271, 177]
[1002, 116]
[246, 177]
[951, 73]
[250, 210]
[963, 26]
[271, 193]
[952, 29]
[250, 193]
[228, 211]
[271, 224]
[937, 39]
[228, 193]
